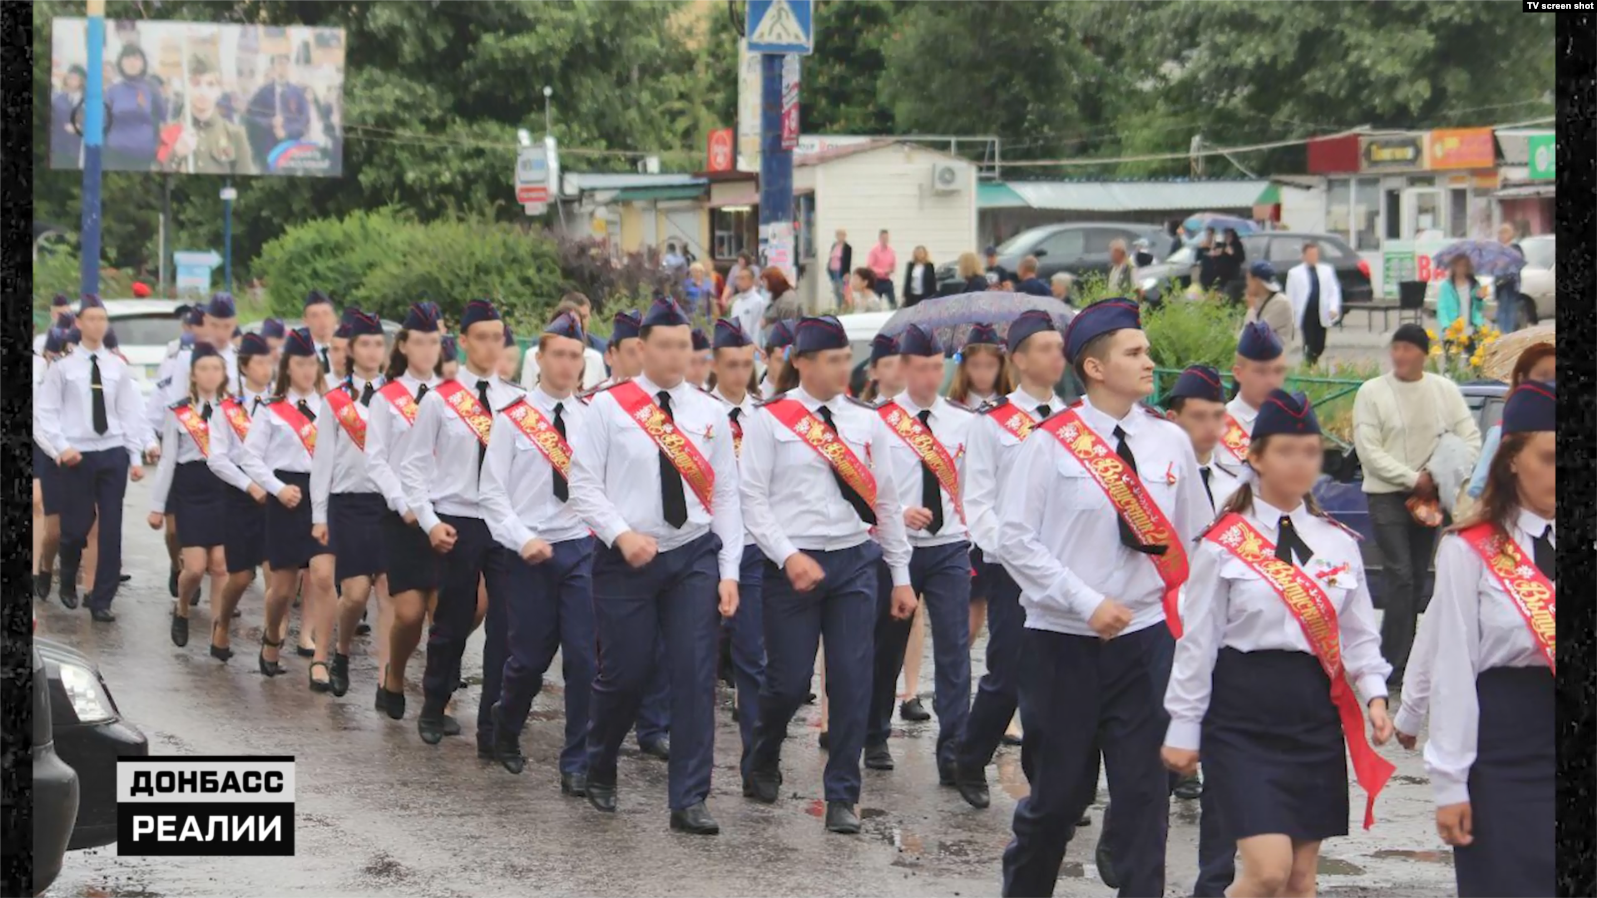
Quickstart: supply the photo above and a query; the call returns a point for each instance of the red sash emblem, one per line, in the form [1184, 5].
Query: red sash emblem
[460, 400]
[1131, 501]
[1535, 596]
[1235, 439]
[343, 406]
[400, 398]
[1317, 616]
[237, 417]
[535, 427]
[795, 417]
[931, 452]
[198, 429]
[303, 428]
[1014, 419]
[684, 456]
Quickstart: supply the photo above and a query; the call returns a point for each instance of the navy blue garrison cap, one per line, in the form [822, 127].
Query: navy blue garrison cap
[253, 344]
[274, 328]
[316, 297]
[59, 301]
[195, 316]
[729, 335]
[625, 326]
[1285, 413]
[818, 334]
[983, 335]
[1100, 318]
[222, 306]
[476, 311]
[566, 324]
[917, 340]
[664, 312]
[883, 346]
[299, 342]
[1199, 382]
[451, 348]
[90, 301]
[1532, 407]
[1032, 321]
[203, 351]
[782, 334]
[364, 324]
[423, 317]
[701, 342]
[1258, 343]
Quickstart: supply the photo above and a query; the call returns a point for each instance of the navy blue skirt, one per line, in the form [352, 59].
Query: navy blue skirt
[981, 582]
[243, 532]
[48, 474]
[198, 501]
[412, 563]
[355, 534]
[289, 544]
[1273, 750]
[1511, 788]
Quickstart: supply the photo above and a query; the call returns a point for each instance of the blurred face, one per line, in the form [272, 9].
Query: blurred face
[1060, 289]
[204, 93]
[666, 354]
[321, 321]
[889, 374]
[368, 351]
[981, 369]
[208, 374]
[1041, 358]
[1505, 234]
[744, 280]
[276, 343]
[858, 283]
[508, 361]
[132, 66]
[883, 238]
[1203, 421]
[421, 351]
[1117, 254]
[1408, 360]
[219, 331]
[258, 370]
[842, 235]
[775, 362]
[73, 82]
[1545, 370]
[1535, 467]
[337, 351]
[92, 325]
[1311, 255]
[733, 367]
[484, 342]
[992, 259]
[1255, 380]
[1127, 368]
[302, 373]
[699, 368]
[1460, 269]
[626, 360]
[450, 369]
[923, 375]
[280, 68]
[560, 364]
[582, 315]
[1288, 465]
[825, 374]
[920, 254]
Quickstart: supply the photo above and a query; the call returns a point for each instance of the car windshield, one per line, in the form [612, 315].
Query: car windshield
[1024, 238]
[146, 330]
[1538, 252]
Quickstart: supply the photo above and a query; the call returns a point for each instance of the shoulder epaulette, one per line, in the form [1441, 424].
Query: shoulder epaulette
[961, 406]
[180, 403]
[513, 385]
[767, 401]
[1210, 527]
[1153, 411]
[273, 400]
[863, 404]
[1216, 462]
[586, 395]
[990, 407]
[510, 405]
[714, 395]
[164, 382]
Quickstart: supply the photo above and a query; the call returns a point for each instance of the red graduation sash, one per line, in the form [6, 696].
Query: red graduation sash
[237, 417]
[795, 417]
[460, 400]
[305, 429]
[343, 406]
[684, 456]
[1317, 616]
[398, 396]
[1131, 501]
[199, 429]
[535, 427]
[931, 452]
[1013, 419]
[1235, 438]
[1535, 596]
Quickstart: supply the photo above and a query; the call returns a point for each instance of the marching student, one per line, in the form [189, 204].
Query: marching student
[525, 492]
[1259, 368]
[278, 453]
[321, 319]
[346, 506]
[510, 359]
[1095, 517]
[1491, 752]
[87, 417]
[778, 346]
[274, 332]
[927, 444]
[338, 347]
[624, 356]
[1197, 404]
[449, 356]
[732, 381]
[171, 385]
[61, 317]
[817, 478]
[700, 362]
[1036, 353]
[46, 474]
[883, 380]
[646, 444]
[184, 482]
[414, 369]
[439, 472]
[1279, 622]
[244, 504]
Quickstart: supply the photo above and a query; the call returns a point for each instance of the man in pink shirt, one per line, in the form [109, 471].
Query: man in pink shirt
[884, 262]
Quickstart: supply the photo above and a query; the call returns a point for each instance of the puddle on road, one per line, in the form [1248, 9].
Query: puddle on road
[1331, 866]
[1410, 780]
[1428, 857]
[130, 891]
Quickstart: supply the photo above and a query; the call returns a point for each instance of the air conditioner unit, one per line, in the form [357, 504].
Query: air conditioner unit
[946, 177]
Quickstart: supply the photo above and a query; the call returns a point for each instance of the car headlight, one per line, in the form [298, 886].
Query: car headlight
[89, 700]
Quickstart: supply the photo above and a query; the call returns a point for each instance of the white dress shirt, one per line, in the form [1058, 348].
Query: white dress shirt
[767, 388]
[1416, 696]
[791, 500]
[172, 383]
[1225, 475]
[227, 450]
[440, 469]
[950, 424]
[41, 367]
[1245, 415]
[746, 410]
[1297, 290]
[340, 466]
[517, 486]
[748, 310]
[64, 406]
[1231, 606]
[1060, 534]
[615, 480]
[989, 452]
[178, 448]
[275, 446]
[1478, 627]
[386, 434]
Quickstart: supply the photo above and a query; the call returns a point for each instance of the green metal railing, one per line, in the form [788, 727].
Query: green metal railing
[1322, 390]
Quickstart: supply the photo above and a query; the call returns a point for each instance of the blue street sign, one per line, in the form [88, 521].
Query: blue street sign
[781, 26]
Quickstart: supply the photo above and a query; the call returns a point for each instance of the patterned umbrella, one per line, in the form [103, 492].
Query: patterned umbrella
[950, 317]
[1488, 257]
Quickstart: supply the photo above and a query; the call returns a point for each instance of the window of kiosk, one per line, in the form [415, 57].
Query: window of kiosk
[1422, 213]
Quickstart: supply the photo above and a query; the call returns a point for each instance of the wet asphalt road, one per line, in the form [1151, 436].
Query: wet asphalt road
[380, 813]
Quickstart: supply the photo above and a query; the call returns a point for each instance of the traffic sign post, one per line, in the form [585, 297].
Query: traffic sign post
[777, 29]
[194, 270]
[532, 179]
[781, 26]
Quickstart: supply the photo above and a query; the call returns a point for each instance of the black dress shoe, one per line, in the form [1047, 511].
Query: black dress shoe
[1190, 788]
[840, 818]
[1105, 863]
[124, 578]
[658, 748]
[574, 784]
[171, 583]
[695, 819]
[810, 699]
[102, 615]
[602, 796]
[877, 757]
[180, 630]
[315, 684]
[268, 668]
[1010, 739]
[41, 585]
[914, 710]
[1086, 820]
[764, 786]
[506, 745]
[947, 774]
[451, 725]
[975, 793]
[390, 703]
[430, 726]
[69, 586]
[338, 674]
[824, 740]
[362, 628]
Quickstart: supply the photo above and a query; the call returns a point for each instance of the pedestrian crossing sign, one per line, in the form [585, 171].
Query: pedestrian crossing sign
[781, 26]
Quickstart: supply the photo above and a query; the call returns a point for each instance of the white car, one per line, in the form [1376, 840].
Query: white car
[144, 328]
[1537, 280]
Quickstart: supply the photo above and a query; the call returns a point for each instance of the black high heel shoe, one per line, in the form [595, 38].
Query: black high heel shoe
[219, 652]
[180, 630]
[269, 668]
[319, 685]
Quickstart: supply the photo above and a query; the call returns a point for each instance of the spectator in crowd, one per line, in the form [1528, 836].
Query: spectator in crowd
[1059, 286]
[1204, 259]
[1507, 287]
[1538, 363]
[1266, 303]
[748, 304]
[1172, 229]
[65, 139]
[839, 262]
[971, 276]
[1316, 297]
[996, 273]
[698, 292]
[1142, 253]
[862, 287]
[1399, 420]
[744, 262]
[1029, 282]
[1119, 280]
[920, 278]
[136, 113]
[1230, 260]
[785, 302]
[1459, 299]
[673, 260]
[884, 262]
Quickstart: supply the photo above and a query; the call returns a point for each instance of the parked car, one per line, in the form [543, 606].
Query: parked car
[1537, 281]
[55, 790]
[90, 735]
[143, 328]
[391, 329]
[1284, 249]
[1079, 248]
[1175, 269]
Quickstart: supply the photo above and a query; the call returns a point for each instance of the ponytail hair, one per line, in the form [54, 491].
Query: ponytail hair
[788, 380]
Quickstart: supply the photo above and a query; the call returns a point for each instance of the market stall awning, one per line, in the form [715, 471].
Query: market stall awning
[1524, 191]
[1137, 196]
[997, 195]
[652, 194]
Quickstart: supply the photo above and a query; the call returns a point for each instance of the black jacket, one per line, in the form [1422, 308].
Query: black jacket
[847, 260]
[928, 284]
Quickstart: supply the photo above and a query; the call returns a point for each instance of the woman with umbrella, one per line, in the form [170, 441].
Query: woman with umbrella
[1460, 298]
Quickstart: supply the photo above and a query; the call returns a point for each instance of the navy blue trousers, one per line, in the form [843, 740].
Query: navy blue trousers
[997, 695]
[842, 609]
[674, 597]
[748, 649]
[475, 558]
[654, 712]
[1077, 694]
[94, 486]
[549, 608]
[940, 575]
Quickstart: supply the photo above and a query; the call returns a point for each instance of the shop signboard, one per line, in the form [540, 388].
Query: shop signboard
[1542, 159]
[1394, 153]
[1410, 260]
[1460, 148]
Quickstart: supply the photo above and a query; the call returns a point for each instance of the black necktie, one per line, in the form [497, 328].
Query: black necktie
[865, 512]
[97, 393]
[562, 488]
[1546, 554]
[205, 412]
[1128, 537]
[366, 394]
[421, 393]
[305, 410]
[673, 499]
[1043, 411]
[735, 414]
[1206, 474]
[255, 406]
[931, 492]
[327, 366]
[487, 409]
[1291, 545]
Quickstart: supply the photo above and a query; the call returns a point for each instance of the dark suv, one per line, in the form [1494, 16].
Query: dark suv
[1079, 248]
[1284, 249]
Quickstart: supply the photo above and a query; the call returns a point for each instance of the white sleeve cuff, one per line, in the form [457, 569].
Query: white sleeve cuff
[1408, 720]
[1184, 734]
[1448, 791]
[426, 518]
[1371, 687]
[900, 576]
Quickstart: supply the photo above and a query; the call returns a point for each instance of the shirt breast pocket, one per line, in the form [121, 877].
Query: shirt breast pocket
[1078, 490]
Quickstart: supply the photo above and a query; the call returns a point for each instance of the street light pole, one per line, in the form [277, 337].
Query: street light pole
[548, 92]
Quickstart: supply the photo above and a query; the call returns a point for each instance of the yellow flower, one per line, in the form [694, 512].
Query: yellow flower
[1436, 351]
[1431, 332]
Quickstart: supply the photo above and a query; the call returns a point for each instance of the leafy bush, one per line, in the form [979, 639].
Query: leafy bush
[1201, 332]
[56, 271]
[332, 255]
[633, 282]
